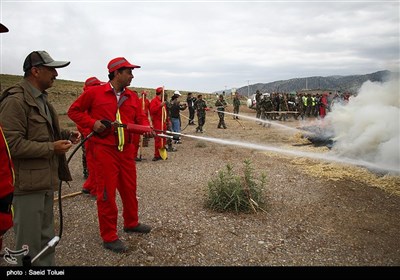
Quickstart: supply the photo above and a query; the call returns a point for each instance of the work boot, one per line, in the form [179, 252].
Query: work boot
[140, 228]
[117, 246]
[85, 191]
[156, 158]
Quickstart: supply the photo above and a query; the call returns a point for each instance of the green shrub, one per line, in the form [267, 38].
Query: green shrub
[229, 192]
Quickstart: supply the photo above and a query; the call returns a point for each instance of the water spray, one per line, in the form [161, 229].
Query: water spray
[318, 156]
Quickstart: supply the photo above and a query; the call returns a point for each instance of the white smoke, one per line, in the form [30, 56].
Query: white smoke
[368, 127]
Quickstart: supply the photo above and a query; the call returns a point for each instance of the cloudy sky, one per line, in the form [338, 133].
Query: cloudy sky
[204, 45]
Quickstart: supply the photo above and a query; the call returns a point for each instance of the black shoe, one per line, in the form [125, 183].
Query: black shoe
[224, 127]
[138, 159]
[140, 228]
[116, 246]
[156, 158]
[85, 191]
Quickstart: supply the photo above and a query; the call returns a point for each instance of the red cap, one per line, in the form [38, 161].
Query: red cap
[93, 81]
[159, 90]
[119, 62]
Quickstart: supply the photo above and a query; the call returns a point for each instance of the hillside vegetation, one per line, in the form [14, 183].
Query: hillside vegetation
[332, 83]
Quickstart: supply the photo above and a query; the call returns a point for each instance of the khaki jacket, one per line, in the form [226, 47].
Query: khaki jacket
[30, 137]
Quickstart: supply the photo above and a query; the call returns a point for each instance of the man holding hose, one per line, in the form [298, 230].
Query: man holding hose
[114, 149]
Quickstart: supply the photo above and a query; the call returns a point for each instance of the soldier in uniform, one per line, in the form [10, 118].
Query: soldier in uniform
[283, 107]
[266, 106]
[201, 107]
[221, 104]
[236, 105]
[258, 106]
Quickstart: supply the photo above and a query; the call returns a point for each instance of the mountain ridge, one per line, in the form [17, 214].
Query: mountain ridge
[349, 83]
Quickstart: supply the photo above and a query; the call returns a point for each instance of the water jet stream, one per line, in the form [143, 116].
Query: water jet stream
[325, 156]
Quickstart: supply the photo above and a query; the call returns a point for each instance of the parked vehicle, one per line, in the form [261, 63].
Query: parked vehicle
[251, 102]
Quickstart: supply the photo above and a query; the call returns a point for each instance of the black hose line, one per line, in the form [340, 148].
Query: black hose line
[60, 184]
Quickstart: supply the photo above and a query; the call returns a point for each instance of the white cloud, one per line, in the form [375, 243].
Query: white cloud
[204, 46]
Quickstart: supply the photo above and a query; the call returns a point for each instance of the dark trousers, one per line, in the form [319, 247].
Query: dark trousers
[201, 121]
[191, 114]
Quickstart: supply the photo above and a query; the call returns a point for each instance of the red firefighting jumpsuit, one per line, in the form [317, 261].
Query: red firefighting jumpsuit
[114, 169]
[90, 183]
[6, 187]
[155, 109]
[323, 106]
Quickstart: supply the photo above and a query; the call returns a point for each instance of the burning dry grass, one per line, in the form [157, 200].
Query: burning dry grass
[337, 171]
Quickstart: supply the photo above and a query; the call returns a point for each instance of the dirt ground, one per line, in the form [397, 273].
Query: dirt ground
[318, 213]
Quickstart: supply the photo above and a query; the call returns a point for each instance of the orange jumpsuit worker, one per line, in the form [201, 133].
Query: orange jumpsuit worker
[115, 166]
[145, 106]
[155, 109]
[323, 105]
[89, 187]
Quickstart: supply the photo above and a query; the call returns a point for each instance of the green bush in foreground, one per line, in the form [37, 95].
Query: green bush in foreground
[229, 192]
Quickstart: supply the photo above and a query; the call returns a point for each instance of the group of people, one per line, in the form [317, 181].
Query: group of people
[110, 119]
[33, 150]
[165, 115]
[279, 106]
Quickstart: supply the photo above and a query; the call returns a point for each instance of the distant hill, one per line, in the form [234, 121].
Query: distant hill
[332, 83]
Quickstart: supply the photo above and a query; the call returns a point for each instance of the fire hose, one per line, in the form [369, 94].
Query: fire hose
[131, 128]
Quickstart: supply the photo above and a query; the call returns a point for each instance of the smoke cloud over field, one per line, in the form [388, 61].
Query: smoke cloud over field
[368, 127]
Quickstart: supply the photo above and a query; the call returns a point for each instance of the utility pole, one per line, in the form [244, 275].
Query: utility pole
[248, 88]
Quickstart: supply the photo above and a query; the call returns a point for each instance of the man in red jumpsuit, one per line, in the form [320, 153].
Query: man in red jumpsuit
[113, 149]
[6, 180]
[156, 108]
[89, 187]
[145, 103]
[323, 105]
